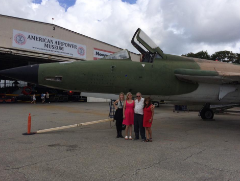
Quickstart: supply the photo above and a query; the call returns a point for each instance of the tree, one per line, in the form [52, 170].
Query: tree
[201, 54]
[224, 56]
[237, 58]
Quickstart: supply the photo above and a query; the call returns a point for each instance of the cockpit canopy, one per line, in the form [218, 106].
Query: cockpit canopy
[146, 46]
[123, 54]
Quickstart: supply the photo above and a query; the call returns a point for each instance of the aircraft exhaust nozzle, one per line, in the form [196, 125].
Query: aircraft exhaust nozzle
[27, 73]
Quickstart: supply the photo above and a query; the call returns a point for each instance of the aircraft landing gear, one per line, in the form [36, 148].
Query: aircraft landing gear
[206, 113]
[156, 103]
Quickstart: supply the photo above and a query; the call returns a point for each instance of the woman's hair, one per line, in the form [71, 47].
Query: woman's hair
[129, 93]
[121, 93]
[149, 102]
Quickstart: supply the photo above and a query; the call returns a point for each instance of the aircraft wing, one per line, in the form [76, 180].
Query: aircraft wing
[210, 77]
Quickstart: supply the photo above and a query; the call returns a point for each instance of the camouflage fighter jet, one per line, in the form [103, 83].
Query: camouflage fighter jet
[161, 76]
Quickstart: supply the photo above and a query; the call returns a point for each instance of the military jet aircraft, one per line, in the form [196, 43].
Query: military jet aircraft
[159, 75]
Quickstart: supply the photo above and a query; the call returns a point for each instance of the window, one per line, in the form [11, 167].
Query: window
[119, 55]
[147, 39]
[146, 46]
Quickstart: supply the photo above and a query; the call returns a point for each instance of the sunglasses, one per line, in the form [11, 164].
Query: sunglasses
[138, 96]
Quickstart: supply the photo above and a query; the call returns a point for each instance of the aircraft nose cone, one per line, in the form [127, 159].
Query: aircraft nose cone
[27, 73]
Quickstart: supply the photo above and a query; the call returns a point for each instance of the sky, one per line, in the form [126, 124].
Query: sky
[178, 27]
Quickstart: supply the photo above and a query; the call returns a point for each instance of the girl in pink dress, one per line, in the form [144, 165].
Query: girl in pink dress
[128, 115]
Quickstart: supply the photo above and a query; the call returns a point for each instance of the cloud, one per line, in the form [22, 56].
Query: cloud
[178, 27]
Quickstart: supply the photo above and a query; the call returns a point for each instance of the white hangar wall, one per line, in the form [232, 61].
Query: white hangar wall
[38, 34]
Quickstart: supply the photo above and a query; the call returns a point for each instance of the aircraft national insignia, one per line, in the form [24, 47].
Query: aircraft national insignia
[20, 39]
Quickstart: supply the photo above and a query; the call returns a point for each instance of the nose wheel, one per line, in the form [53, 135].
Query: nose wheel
[206, 113]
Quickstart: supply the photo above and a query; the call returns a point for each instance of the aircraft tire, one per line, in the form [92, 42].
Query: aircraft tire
[156, 103]
[207, 114]
[202, 115]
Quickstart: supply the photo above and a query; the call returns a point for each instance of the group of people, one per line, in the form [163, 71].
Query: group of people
[44, 97]
[138, 113]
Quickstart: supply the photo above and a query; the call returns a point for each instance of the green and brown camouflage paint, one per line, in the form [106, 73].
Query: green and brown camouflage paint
[114, 76]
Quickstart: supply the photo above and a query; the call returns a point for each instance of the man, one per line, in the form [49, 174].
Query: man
[47, 97]
[138, 117]
[43, 97]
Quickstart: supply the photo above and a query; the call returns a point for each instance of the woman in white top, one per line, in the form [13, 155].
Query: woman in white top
[34, 99]
[118, 104]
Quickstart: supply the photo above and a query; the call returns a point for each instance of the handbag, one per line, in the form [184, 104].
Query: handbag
[123, 127]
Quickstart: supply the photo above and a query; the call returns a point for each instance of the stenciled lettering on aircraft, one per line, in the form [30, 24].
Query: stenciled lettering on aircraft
[47, 44]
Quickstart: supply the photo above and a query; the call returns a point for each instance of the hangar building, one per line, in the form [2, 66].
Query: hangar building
[23, 42]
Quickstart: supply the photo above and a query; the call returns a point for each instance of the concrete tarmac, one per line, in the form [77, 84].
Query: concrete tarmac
[184, 147]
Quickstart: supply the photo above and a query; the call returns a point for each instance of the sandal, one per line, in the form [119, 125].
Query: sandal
[130, 138]
[126, 137]
[150, 139]
[147, 140]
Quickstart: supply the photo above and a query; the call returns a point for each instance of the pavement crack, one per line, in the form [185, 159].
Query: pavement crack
[150, 166]
[144, 168]
[120, 177]
[192, 145]
[36, 147]
[194, 154]
[22, 174]
[18, 171]
[17, 168]
[218, 169]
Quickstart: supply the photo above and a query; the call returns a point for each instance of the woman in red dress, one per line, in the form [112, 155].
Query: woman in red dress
[128, 115]
[148, 112]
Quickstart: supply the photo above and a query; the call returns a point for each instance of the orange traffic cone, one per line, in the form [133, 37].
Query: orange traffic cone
[29, 123]
[29, 126]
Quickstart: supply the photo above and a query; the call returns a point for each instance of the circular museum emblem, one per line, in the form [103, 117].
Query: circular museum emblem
[81, 51]
[20, 39]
